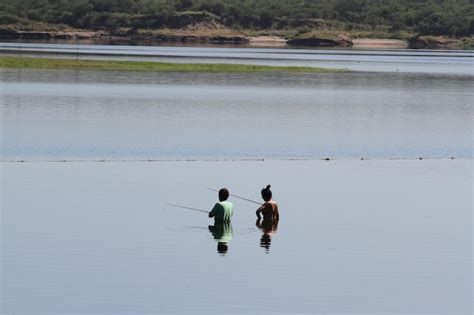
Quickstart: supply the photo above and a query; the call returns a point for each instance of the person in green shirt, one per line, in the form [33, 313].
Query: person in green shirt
[223, 210]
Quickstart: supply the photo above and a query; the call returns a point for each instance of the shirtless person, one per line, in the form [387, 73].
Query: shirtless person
[269, 209]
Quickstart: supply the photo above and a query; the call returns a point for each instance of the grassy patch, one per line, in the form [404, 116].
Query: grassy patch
[467, 43]
[32, 26]
[51, 63]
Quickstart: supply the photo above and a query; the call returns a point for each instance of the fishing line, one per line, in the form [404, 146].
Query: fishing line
[246, 199]
[184, 207]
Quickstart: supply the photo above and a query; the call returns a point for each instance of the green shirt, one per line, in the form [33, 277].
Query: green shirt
[222, 231]
[222, 211]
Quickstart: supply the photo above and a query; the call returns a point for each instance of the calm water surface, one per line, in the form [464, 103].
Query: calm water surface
[354, 237]
[138, 115]
[375, 236]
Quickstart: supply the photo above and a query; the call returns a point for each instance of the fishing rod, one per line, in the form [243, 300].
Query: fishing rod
[249, 200]
[184, 207]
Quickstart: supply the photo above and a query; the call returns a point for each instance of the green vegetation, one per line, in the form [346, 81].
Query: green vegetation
[467, 43]
[78, 64]
[454, 18]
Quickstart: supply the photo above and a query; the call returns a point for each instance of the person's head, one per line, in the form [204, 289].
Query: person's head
[222, 247]
[223, 194]
[266, 193]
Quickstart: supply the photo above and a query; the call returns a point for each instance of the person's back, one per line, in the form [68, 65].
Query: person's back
[223, 210]
[269, 209]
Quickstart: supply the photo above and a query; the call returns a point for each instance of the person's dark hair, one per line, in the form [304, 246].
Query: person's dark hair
[222, 247]
[223, 194]
[266, 193]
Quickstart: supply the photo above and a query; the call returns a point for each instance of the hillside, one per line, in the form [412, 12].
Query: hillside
[289, 19]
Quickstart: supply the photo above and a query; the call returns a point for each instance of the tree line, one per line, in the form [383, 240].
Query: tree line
[425, 17]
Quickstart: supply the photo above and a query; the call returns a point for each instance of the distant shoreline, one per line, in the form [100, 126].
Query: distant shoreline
[239, 39]
[10, 62]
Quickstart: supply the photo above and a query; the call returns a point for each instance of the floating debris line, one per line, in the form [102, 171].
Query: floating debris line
[129, 160]
[231, 160]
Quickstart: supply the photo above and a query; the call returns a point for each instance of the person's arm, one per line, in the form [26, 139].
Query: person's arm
[276, 214]
[259, 210]
[213, 211]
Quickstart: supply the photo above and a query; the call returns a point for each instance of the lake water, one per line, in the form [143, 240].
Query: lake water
[85, 227]
[379, 237]
[51, 115]
[391, 60]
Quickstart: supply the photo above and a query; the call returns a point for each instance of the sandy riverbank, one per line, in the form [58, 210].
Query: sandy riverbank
[379, 43]
[267, 41]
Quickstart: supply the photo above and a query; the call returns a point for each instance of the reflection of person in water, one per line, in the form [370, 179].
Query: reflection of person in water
[222, 233]
[268, 226]
[271, 216]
